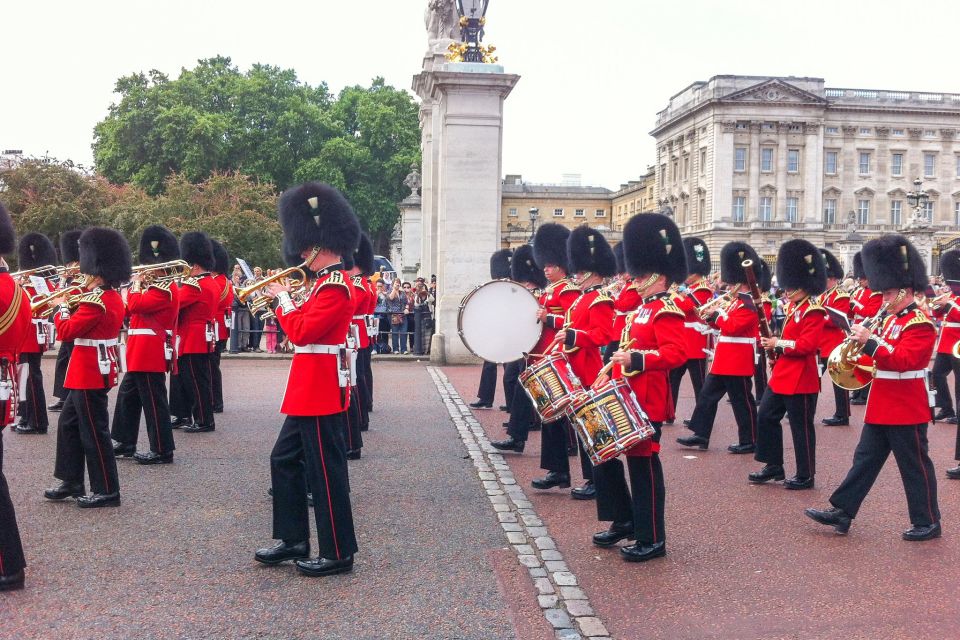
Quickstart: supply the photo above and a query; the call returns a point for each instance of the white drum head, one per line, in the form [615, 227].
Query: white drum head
[498, 321]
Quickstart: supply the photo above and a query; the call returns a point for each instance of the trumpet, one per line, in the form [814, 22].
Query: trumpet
[940, 300]
[162, 271]
[296, 278]
[41, 307]
[844, 363]
[707, 308]
[45, 272]
[68, 272]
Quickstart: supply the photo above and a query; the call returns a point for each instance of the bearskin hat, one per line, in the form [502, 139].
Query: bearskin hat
[500, 263]
[35, 250]
[550, 245]
[618, 255]
[363, 256]
[698, 256]
[314, 214]
[158, 244]
[221, 259]
[892, 262]
[105, 253]
[950, 265]
[800, 265]
[196, 248]
[652, 244]
[765, 280]
[8, 237]
[523, 268]
[731, 258]
[70, 246]
[588, 250]
[858, 271]
[834, 269]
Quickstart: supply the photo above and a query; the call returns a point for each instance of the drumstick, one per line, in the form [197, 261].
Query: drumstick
[609, 365]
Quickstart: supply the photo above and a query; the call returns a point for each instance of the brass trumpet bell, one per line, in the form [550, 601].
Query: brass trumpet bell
[163, 271]
[955, 349]
[850, 369]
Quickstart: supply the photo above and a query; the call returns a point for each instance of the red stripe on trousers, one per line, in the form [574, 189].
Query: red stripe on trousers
[193, 374]
[926, 480]
[326, 480]
[103, 466]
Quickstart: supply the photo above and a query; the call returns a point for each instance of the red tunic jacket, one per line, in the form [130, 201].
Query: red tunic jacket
[695, 330]
[557, 298]
[313, 387]
[949, 313]
[628, 301]
[737, 345]
[796, 370]
[15, 328]
[153, 311]
[224, 305]
[198, 306]
[35, 341]
[898, 394]
[361, 301]
[865, 304]
[832, 335]
[590, 325]
[99, 316]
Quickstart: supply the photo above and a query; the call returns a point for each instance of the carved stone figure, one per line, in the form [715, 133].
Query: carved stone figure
[413, 181]
[441, 20]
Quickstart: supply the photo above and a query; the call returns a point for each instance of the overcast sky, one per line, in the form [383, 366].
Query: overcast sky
[593, 74]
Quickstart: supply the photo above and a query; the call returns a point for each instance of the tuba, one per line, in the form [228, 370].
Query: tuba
[848, 366]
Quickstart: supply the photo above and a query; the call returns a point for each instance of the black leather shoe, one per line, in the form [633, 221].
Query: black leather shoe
[12, 582]
[858, 401]
[954, 473]
[797, 483]
[836, 518]
[504, 407]
[943, 414]
[181, 422]
[151, 457]
[686, 422]
[65, 490]
[694, 441]
[587, 492]
[836, 421]
[353, 454]
[509, 444]
[56, 406]
[669, 423]
[618, 531]
[25, 428]
[919, 533]
[769, 472]
[552, 479]
[319, 567]
[480, 405]
[218, 409]
[950, 420]
[283, 551]
[571, 450]
[199, 428]
[97, 500]
[742, 448]
[124, 450]
[642, 552]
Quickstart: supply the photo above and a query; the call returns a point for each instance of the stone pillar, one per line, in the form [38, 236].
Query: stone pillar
[411, 238]
[428, 176]
[922, 239]
[847, 248]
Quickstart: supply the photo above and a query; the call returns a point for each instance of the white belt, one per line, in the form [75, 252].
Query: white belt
[86, 342]
[901, 375]
[737, 340]
[951, 325]
[359, 317]
[623, 313]
[44, 321]
[141, 332]
[330, 349]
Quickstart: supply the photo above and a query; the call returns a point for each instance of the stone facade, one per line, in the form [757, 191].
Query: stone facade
[568, 205]
[637, 196]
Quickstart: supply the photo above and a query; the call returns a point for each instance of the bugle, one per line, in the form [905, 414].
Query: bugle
[162, 271]
[707, 308]
[846, 366]
[41, 307]
[295, 277]
[45, 272]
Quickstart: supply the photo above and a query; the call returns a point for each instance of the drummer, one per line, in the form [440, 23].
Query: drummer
[652, 344]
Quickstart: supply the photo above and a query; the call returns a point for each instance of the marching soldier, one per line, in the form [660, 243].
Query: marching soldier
[15, 328]
[191, 393]
[696, 332]
[368, 265]
[836, 302]
[734, 360]
[221, 265]
[764, 279]
[947, 308]
[499, 268]
[152, 306]
[795, 381]
[83, 432]
[35, 250]
[653, 344]
[70, 256]
[626, 299]
[318, 223]
[898, 409]
[356, 265]
[864, 303]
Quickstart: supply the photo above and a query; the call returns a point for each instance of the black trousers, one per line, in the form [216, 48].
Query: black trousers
[554, 440]
[310, 452]
[741, 400]
[488, 382]
[353, 424]
[33, 409]
[362, 390]
[841, 398]
[365, 363]
[909, 446]
[697, 369]
[190, 391]
[145, 392]
[11, 547]
[83, 434]
[943, 364]
[642, 503]
[861, 394]
[216, 377]
[511, 371]
[800, 410]
[522, 413]
[760, 377]
[60, 371]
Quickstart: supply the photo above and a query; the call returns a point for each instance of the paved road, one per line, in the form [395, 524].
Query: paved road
[176, 560]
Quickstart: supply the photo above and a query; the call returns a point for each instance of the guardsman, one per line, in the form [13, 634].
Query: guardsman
[836, 302]
[795, 381]
[764, 280]
[83, 432]
[368, 264]
[152, 308]
[356, 265]
[696, 331]
[947, 308]
[864, 304]
[734, 360]
[70, 257]
[191, 393]
[319, 224]
[652, 345]
[221, 264]
[499, 269]
[626, 300]
[585, 332]
[15, 328]
[35, 250]
[898, 409]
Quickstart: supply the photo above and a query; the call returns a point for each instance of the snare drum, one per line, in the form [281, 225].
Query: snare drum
[498, 321]
[551, 385]
[609, 420]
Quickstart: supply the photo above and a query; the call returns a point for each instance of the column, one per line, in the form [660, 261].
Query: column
[754, 200]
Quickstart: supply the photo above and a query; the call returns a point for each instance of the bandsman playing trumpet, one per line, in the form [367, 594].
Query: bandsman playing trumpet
[70, 255]
[696, 332]
[946, 306]
[837, 301]
[221, 264]
[864, 304]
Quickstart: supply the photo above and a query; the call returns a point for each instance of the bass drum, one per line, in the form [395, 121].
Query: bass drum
[498, 321]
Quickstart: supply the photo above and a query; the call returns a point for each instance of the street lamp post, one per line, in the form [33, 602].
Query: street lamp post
[472, 19]
[918, 199]
[534, 213]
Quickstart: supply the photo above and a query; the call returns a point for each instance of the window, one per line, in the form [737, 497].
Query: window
[703, 162]
[896, 212]
[739, 207]
[865, 130]
[863, 212]
[686, 166]
[929, 164]
[663, 174]
[793, 160]
[740, 159]
[956, 213]
[796, 128]
[793, 204]
[768, 126]
[676, 170]
[513, 212]
[558, 213]
[766, 160]
[600, 213]
[742, 126]
[896, 132]
[830, 211]
[833, 130]
[686, 211]
[765, 212]
[958, 166]
[928, 210]
[830, 162]
[578, 213]
[896, 164]
[864, 162]
[929, 133]
[702, 208]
